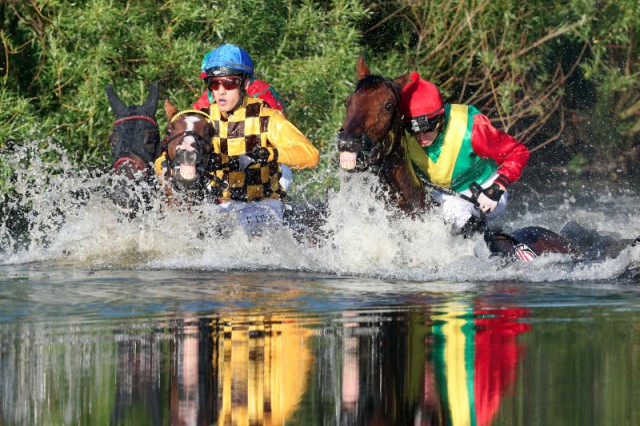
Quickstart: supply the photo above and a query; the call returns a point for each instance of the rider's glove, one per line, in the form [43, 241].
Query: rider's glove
[259, 155]
[489, 197]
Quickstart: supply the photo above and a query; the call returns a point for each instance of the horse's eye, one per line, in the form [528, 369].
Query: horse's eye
[389, 106]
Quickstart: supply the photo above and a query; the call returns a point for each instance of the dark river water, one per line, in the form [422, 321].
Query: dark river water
[387, 321]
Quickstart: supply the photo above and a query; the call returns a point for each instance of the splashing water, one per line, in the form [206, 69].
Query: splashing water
[61, 214]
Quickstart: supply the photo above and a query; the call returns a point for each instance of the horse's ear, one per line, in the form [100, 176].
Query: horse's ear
[362, 69]
[117, 106]
[403, 80]
[151, 104]
[169, 109]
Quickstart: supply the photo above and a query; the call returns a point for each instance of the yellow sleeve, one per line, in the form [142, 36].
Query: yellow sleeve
[294, 149]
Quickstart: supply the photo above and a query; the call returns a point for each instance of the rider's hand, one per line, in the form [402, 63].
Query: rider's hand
[489, 197]
[258, 155]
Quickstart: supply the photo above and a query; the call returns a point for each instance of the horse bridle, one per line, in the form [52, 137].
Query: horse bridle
[123, 160]
[199, 139]
[367, 154]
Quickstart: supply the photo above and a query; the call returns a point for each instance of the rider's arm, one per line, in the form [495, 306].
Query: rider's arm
[294, 149]
[489, 142]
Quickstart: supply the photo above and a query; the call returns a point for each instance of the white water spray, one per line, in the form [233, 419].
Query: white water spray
[60, 214]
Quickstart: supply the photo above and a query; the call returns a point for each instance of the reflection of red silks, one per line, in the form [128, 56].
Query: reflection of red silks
[496, 358]
[477, 356]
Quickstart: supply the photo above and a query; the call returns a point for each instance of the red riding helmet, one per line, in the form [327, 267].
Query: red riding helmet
[421, 98]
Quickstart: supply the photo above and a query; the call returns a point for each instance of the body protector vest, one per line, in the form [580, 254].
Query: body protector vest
[450, 161]
[239, 133]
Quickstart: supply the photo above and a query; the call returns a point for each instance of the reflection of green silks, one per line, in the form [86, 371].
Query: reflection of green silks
[454, 356]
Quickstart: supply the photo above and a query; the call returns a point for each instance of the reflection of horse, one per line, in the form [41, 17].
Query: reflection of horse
[372, 138]
[187, 149]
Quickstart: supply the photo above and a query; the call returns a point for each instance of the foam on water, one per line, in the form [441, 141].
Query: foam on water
[69, 220]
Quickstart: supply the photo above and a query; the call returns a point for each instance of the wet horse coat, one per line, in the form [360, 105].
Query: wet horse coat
[372, 137]
[135, 136]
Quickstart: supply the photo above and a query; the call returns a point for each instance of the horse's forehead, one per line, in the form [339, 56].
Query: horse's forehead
[133, 110]
[372, 96]
[190, 123]
[381, 90]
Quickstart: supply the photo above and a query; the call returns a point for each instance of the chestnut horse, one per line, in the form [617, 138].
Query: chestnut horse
[373, 138]
[135, 145]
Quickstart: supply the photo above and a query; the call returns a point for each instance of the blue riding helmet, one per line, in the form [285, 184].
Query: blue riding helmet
[226, 60]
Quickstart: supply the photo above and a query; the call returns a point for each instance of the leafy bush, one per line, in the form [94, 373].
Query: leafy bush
[509, 58]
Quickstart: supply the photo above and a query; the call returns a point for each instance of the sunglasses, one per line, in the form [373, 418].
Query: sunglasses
[229, 83]
[423, 124]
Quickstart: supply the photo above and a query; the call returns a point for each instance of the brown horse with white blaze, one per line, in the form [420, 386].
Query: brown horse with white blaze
[372, 138]
[186, 152]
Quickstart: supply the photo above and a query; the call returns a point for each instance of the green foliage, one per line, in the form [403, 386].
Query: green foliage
[509, 58]
[56, 87]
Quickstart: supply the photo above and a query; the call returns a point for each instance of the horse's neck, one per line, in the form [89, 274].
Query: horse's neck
[400, 175]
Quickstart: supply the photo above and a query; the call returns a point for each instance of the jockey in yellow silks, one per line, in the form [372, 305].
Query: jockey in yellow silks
[250, 140]
[257, 89]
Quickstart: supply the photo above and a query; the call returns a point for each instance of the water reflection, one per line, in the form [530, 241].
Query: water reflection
[475, 355]
[422, 366]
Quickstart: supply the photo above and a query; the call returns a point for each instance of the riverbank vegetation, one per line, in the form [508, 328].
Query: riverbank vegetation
[561, 77]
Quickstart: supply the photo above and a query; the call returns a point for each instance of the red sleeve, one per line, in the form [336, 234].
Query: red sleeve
[497, 355]
[202, 102]
[489, 142]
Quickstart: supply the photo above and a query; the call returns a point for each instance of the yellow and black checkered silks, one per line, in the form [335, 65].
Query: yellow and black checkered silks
[240, 133]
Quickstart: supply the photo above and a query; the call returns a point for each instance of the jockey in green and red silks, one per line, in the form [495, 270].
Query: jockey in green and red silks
[455, 145]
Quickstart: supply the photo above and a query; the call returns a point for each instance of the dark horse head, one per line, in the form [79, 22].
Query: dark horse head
[135, 136]
[372, 138]
[187, 149]
[135, 140]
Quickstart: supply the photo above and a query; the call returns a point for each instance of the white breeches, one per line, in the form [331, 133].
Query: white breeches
[458, 211]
